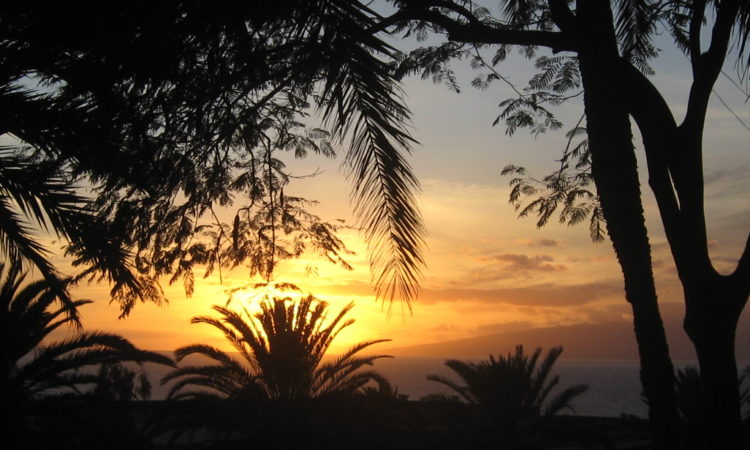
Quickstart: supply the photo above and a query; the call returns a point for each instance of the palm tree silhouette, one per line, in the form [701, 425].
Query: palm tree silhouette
[282, 349]
[115, 381]
[32, 369]
[512, 390]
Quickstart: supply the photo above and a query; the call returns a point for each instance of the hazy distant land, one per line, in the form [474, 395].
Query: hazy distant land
[606, 341]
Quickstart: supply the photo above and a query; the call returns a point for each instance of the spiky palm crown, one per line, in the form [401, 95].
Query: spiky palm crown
[32, 367]
[281, 348]
[512, 388]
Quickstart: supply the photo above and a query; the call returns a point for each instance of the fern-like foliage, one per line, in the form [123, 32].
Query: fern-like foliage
[568, 190]
[36, 195]
[636, 24]
[433, 63]
[165, 143]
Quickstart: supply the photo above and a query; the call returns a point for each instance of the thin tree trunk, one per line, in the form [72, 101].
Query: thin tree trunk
[615, 174]
[614, 168]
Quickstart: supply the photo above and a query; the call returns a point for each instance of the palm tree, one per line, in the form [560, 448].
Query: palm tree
[282, 349]
[32, 369]
[384, 390]
[115, 381]
[511, 389]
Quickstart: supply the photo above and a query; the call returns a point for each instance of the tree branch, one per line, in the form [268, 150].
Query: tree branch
[694, 38]
[707, 66]
[561, 15]
[658, 129]
[480, 33]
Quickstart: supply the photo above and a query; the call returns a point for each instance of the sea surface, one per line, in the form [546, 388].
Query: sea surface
[614, 385]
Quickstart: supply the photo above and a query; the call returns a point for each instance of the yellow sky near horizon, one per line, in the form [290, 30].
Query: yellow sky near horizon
[487, 272]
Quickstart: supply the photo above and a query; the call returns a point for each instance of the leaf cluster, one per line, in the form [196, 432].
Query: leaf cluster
[567, 190]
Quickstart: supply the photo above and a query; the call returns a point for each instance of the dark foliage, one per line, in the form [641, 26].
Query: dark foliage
[512, 391]
[168, 110]
[34, 369]
[282, 349]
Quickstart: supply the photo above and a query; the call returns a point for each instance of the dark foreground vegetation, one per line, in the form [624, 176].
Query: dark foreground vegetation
[168, 109]
[90, 391]
[332, 423]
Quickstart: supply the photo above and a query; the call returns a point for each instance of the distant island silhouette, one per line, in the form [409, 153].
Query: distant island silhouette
[605, 340]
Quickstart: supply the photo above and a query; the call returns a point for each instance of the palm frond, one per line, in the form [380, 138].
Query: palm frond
[227, 380]
[563, 400]
[205, 350]
[19, 244]
[636, 23]
[543, 372]
[38, 370]
[362, 91]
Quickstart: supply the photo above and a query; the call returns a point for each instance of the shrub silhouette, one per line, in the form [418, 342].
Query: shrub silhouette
[282, 348]
[511, 390]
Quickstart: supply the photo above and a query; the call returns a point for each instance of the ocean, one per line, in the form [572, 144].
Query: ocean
[614, 385]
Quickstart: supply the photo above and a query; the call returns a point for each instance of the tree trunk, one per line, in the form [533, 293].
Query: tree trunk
[713, 311]
[615, 173]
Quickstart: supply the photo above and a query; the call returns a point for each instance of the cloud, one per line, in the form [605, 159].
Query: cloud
[578, 259]
[539, 295]
[727, 180]
[528, 242]
[605, 313]
[353, 288]
[500, 327]
[545, 243]
[726, 259]
[526, 263]
[444, 327]
[510, 266]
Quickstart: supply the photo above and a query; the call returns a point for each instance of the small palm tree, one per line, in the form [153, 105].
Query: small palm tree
[511, 389]
[115, 381]
[32, 369]
[282, 347]
[383, 390]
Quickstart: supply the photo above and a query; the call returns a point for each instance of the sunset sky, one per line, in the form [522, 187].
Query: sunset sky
[487, 271]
